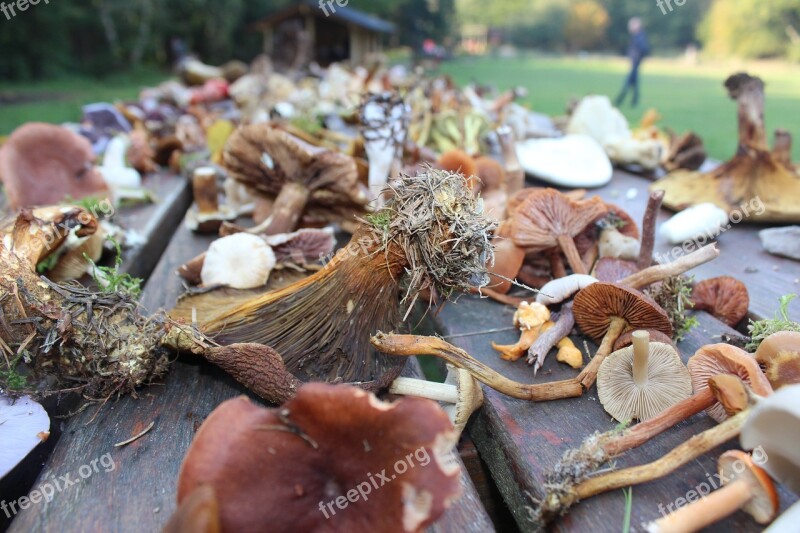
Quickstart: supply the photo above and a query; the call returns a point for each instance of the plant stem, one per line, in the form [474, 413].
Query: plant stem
[656, 273]
[706, 511]
[649, 229]
[567, 245]
[641, 356]
[439, 392]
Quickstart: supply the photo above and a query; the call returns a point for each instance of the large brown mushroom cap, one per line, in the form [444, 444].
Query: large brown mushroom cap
[779, 354]
[715, 359]
[280, 469]
[266, 158]
[596, 305]
[724, 297]
[764, 504]
[546, 214]
[42, 164]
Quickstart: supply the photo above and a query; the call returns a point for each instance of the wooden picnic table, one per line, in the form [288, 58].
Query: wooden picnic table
[518, 441]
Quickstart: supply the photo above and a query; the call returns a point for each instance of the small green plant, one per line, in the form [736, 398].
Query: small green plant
[110, 280]
[674, 296]
[381, 220]
[626, 522]
[761, 329]
[10, 378]
[47, 264]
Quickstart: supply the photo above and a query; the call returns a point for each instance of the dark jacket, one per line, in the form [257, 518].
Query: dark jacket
[638, 48]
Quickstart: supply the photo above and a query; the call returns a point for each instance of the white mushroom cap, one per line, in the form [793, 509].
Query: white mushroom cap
[239, 261]
[702, 220]
[615, 244]
[24, 424]
[665, 383]
[561, 289]
[774, 426]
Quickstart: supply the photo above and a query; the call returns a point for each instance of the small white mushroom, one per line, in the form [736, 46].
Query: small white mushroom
[702, 220]
[561, 289]
[239, 261]
[618, 246]
[24, 424]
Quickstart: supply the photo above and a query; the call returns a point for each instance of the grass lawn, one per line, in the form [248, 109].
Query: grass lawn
[61, 100]
[689, 97]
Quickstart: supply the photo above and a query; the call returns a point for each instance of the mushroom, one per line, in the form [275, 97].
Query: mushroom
[297, 174]
[515, 175]
[25, 425]
[716, 359]
[779, 354]
[197, 513]
[745, 486]
[604, 311]
[686, 151]
[626, 339]
[239, 261]
[309, 464]
[558, 290]
[460, 395]
[774, 426]
[42, 164]
[568, 353]
[615, 245]
[321, 325]
[754, 172]
[547, 219]
[724, 297]
[643, 380]
[693, 223]
[508, 260]
[568, 161]
[458, 161]
[384, 120]
[206, 216]
[555, 336]
[529, 318]
[613, 270]
[72, 256]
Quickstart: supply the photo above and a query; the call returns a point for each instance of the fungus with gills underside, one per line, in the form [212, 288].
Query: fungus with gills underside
[296, 173]
[745, 486]
[431, 233]
[283, 466]
[548, 218]
[779, 354]
[641, 381]
[716, 359]
[724, 297]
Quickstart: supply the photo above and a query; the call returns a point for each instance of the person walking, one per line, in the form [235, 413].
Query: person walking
[638, 49]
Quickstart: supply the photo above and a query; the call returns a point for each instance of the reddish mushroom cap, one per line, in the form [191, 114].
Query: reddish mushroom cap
[281, 468]
[628, 227]
[764, 503]
[42, 164]
[597, 304]
[724, 297]
[779, 354]
[613, 270]
[715, 359]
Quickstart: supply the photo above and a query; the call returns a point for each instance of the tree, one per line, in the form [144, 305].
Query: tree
[586, 25]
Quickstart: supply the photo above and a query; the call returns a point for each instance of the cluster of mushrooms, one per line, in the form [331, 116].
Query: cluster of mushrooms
[335, 215]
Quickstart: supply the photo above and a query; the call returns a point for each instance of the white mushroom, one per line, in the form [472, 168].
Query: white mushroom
[239, 261]
[561, 289]
[572, 161]
[384, 119]
[618, 246]
[24, 424]
[702, 220]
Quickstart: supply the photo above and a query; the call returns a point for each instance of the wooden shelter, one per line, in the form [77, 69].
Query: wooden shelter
[321, 31]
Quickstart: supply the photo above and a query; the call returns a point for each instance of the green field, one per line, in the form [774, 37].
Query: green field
[689, 97]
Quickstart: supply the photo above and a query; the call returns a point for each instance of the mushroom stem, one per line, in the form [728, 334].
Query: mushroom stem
[641, 356]
[204, 187]
[782, 148]
[649, 229]
[547, 340]
[655, 273]
[706, 511]
[440, 392]
[691, 449]
[567, 245]
[412, 345]
[288, 208]
[515, 175]
[556, 264]
[589, 374]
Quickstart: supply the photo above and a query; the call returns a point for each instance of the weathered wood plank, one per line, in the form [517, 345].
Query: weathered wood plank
[521, 441]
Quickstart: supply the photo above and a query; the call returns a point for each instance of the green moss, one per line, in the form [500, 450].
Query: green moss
[761, 329]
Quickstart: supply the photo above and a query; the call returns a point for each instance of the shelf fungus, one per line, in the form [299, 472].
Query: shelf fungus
[755, 173]
[59, 337]
[315, 464]
[297, 174]
[431, 237]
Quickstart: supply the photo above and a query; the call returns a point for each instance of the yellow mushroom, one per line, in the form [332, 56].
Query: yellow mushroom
[530, 318]
[569, 353]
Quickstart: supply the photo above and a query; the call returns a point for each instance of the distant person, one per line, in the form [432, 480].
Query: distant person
[638, 49]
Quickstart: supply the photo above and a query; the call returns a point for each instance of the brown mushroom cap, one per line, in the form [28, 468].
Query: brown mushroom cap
[42, 164]
[613, 270]
[779, 354]
[715, 359]
[281, 467]
[508, 259]
[668, 383]
[457, 161]
[546, 214]
[197, 513]
[724, 297]
[764, 504]
[596, 305]
[491, 173]
[626, 339]
[628, 227]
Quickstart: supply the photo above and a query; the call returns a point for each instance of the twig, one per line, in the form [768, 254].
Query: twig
[649, 229]
[137, 436]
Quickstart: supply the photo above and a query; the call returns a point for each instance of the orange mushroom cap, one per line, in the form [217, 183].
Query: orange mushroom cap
[724, 297]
